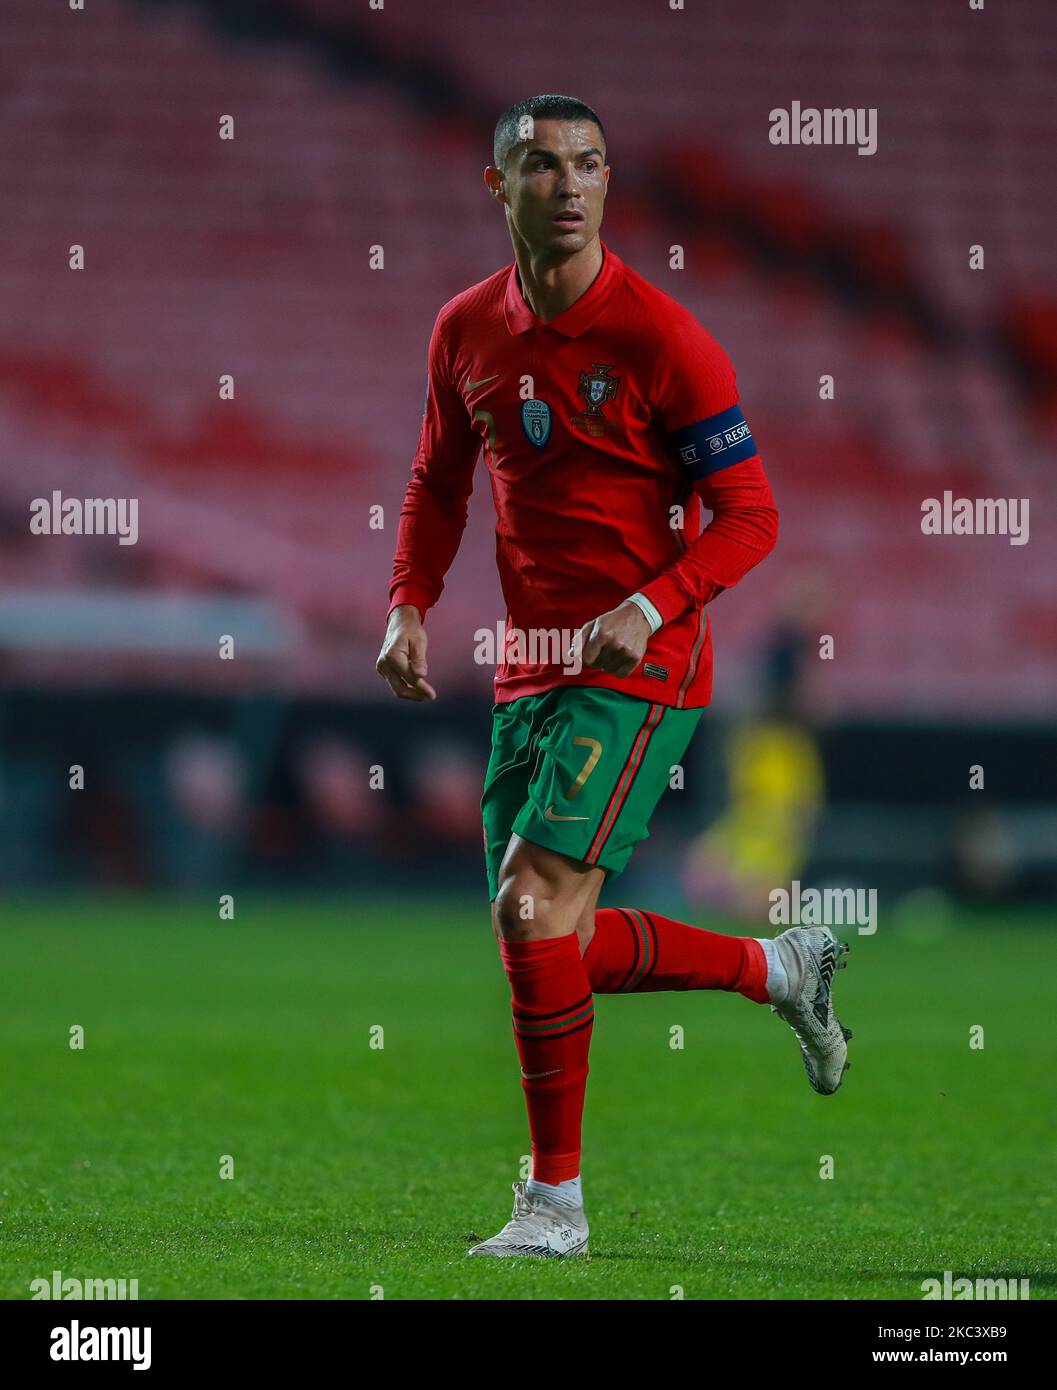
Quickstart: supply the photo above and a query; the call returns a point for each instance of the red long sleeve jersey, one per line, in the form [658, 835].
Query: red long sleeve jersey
[604, 431]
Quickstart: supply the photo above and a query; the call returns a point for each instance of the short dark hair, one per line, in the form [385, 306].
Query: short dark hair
[508, 131]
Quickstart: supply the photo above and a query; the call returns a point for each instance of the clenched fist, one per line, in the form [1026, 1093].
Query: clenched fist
[615, 642]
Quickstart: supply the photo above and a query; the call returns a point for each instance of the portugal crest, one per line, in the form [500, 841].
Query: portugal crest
[536, 421]
[597, 387]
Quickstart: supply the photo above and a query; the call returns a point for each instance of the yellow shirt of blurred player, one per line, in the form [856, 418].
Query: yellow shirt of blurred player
[777, 788]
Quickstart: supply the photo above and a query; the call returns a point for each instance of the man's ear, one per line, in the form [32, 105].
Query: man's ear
[493, 179]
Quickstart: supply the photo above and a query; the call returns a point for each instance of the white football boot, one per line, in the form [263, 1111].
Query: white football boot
[810, 956]
[538, 1228]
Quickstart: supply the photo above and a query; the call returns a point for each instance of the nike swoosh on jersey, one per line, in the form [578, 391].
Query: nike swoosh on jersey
[473, 385]
[549, 815]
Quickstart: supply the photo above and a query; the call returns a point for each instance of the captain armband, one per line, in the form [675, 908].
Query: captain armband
[713, 444]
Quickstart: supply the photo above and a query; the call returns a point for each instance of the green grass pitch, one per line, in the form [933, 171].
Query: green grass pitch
[358, 1169]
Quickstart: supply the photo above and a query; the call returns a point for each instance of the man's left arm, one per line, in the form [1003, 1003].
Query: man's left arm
[743, 530]
[718, 455]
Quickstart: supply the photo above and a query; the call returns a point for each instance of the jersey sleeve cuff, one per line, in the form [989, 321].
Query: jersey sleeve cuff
[666, 597]
[407, 592]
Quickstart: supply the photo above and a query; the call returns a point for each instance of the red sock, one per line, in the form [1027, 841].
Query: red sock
[634, 952]
[553, 1014]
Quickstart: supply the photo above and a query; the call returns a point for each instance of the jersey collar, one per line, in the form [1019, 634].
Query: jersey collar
[580, 315]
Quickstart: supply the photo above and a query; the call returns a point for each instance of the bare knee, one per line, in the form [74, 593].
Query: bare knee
[520, 911]
[542, 894]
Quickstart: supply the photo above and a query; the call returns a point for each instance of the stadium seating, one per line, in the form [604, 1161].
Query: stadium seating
[251, 257]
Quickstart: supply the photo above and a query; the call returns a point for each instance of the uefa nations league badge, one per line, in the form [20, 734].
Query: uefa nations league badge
[536, 421]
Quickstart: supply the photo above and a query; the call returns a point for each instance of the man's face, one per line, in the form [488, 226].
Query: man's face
[555, 186]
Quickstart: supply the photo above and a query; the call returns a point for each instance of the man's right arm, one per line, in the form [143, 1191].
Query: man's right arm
[432, 521]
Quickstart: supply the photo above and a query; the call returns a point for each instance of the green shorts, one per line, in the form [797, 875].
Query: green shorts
[579, 770]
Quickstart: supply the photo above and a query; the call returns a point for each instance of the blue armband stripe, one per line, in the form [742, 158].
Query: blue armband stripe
[713, 444]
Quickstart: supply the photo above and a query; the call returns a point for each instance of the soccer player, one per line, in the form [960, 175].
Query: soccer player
[608, 417]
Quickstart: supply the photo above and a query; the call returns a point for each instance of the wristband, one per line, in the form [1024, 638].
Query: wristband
[648, 611]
